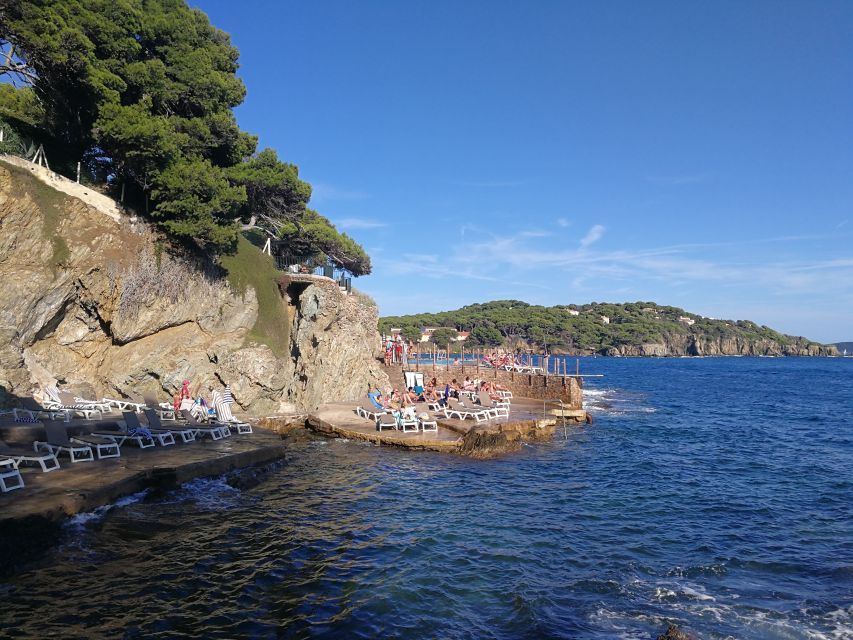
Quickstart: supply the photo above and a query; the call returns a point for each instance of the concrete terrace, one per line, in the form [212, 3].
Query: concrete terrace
[525, 422]
[84, 486]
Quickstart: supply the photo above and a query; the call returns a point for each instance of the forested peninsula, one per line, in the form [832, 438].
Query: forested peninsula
[624, 329]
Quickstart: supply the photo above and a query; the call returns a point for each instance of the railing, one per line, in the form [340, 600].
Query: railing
[312, 265]
[562, 413]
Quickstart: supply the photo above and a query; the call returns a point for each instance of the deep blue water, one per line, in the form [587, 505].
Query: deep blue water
[714, 493]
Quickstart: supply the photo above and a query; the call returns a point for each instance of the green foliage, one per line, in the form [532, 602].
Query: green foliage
[314, 233]
[19, 105]
[12, 142]
[485, 336]
[411, 332]
[144, 92]
[513, 323]
[195, 199]
[443, 336]
[273, 188]
[248, 267]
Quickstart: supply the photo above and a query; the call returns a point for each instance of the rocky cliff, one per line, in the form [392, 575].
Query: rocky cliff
[92, 301]
[701, 345]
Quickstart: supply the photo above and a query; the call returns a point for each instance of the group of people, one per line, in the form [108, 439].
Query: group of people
[431, 392]
[396, 350]
[199, 406]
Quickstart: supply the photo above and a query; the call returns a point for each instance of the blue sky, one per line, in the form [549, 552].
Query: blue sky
[693, 154]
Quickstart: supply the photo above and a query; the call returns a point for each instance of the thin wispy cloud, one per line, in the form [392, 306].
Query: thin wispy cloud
[493, 184]
[323, 192]
[466, 227]
[534, 233]
[592, 236]
[563, 222]
[360, 223]
[421, 257]
[678, 180]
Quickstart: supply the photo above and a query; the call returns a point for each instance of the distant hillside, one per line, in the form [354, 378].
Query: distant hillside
[630, 329]
[841, 346]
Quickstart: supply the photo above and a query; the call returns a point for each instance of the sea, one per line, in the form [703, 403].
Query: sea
[712, 493]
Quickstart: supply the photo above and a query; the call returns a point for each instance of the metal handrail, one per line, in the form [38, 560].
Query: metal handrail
[562, 414]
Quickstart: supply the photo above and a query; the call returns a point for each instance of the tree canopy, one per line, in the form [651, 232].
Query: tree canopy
[143, 92]
[443, 336]
[581, 328]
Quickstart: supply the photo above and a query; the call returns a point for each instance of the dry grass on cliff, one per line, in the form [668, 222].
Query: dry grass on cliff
[158, 275]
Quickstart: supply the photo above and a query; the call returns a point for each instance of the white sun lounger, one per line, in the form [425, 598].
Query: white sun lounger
[164, 409]
[386, 421]
[214, 431]
[22, 455]
[125, 405]
[495, 409]
[463, 413]
[123, 434]
[10, 477]
[53, 402]
[163, 437]
[58, 442]
[156, 425]
[427, 423]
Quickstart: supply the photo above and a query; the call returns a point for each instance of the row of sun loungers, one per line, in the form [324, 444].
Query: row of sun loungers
[104, 443]
[410, 421]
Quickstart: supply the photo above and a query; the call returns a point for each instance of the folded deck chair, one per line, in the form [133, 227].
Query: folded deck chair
[24, 455]
[10, 477]
[414, 379]
[224, 415]
[164, 409]
[155, 425]
[134, 427]
[58, 442]
[141, 437]
[214, 431]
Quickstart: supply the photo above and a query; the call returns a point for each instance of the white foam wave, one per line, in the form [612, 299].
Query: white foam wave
[80, 520]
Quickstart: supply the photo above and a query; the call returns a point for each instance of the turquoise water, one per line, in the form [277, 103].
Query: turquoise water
[714, 493]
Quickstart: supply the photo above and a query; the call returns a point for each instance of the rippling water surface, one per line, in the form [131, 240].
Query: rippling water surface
[715, 493]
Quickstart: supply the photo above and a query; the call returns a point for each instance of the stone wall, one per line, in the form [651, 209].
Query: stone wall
[538, 387]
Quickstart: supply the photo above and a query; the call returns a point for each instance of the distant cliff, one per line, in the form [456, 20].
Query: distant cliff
[93, 300]
[627, 329]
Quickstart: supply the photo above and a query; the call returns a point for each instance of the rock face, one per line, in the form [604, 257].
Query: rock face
[702, 345]
[89, 302]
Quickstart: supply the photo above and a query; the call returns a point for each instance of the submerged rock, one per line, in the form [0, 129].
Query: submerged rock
[674, 633]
